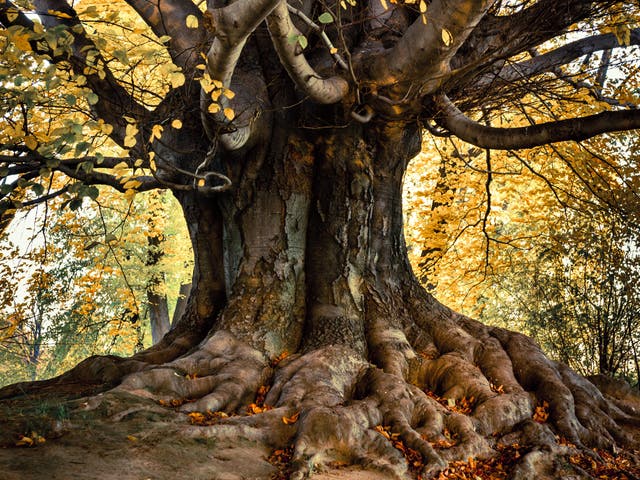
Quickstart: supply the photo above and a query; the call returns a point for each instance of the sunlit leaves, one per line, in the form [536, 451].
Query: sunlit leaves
[156, 132]
[447, 38]
[177, 79]
[229, 113]
[192, 21]
[130, 135]
[325, 18]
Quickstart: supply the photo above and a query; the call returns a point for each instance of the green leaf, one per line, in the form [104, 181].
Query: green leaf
[87, 167]
[302, 40]
[92, 98]
[325, 18]
[90, 191]
[37, 189]
[75, 203]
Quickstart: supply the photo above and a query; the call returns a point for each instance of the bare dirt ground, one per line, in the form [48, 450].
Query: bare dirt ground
[146, 444]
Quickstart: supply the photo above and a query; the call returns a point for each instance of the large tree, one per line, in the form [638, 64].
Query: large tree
[285, 136]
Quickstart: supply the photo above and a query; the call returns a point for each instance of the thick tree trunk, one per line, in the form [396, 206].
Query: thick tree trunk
[305, 259]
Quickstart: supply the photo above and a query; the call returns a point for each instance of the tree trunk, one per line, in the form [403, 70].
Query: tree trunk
[302, 287]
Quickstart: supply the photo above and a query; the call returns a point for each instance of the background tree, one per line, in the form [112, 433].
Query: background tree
[284, 131]
[81, 284]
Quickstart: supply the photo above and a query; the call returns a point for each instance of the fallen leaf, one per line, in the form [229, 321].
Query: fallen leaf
[291, 420]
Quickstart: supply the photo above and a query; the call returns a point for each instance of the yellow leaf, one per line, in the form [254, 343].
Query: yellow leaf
[31, 142]
[21, 40]
[229, 114]
[333, 51]
[24, 441]
[130, 133]
[215, 95]
[192, 21]
[12, 14]
[138, 163]
[131, 184]
[214, 108]
[131, 130]
[292, 419]
[176, 79]
[201, 182]
[177, 124]
[132, 438]
[446, 37]
[384, 4]
[106, 128]
[229, 94]
[156, 132]
[423, 6]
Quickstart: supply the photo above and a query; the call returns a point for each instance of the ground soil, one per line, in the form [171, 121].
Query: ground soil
[144, 445]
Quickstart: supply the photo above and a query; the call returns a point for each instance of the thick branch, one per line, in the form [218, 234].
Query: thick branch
[100, 178]
[232, 26]
[113, 100]
[320, 90]
[499, 38]
[550, 60]
[426, 48]
[575, 129]
[169, 17]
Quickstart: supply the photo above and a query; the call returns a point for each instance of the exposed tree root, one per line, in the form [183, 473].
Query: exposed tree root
[441, 391]
[221, 374]
[334, 407]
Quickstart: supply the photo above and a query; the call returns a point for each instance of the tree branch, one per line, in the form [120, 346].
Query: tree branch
[550, 60]
[169, 17]
[283, 31]
[451, 118]
[501, 37]
[428, 45]
[100, 178]
[114, 102]
[232, 26]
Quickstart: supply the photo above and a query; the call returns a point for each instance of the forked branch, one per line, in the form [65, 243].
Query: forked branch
[318, 89]
[169, 17]
[426, 48]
